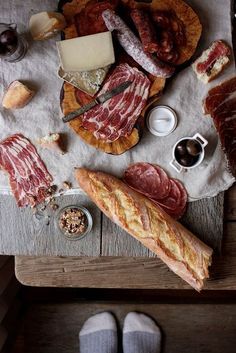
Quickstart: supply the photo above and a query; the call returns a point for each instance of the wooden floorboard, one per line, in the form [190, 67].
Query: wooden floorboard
[50, 328]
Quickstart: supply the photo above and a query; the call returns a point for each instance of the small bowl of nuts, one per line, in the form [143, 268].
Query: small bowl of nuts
[74, 222]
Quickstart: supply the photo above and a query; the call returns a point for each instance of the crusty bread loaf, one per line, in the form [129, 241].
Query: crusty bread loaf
[17, 96]
[184, 253]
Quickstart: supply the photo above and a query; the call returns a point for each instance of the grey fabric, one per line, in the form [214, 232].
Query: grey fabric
[141, 342]
[103, 341]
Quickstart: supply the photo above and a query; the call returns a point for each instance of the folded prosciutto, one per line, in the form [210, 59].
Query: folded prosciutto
[117, 116]
[28, 176]
[220, 103]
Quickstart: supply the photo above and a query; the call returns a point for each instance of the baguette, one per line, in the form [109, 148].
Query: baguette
[177, 247]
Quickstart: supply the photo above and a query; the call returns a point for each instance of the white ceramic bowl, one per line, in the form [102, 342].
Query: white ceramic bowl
[180, 168]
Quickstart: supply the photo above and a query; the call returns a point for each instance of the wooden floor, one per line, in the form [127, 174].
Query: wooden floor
[206, 328]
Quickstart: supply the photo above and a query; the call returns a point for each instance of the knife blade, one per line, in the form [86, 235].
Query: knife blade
[99, 100]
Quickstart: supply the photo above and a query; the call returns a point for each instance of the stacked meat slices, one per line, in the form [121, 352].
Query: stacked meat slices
[220, 103]
[28, 176]
[152, 181]
[117, 116]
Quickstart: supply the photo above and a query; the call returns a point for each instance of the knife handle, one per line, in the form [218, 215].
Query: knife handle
[79, 112]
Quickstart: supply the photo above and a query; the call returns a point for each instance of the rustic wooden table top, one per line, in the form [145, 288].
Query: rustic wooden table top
[130, 272]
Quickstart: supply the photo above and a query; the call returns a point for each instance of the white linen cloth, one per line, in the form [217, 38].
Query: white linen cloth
[184, 94]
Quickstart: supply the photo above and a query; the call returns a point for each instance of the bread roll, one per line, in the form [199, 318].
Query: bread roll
[177, 247]
[17, 96]
[44, 25]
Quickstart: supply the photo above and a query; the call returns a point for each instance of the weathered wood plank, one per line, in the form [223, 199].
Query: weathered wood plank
[210, 328]
[124, 272]
[22, 233]
[204, 218]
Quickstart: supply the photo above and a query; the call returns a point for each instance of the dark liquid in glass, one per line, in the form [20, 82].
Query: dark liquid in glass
[8, 42]
[12, 46]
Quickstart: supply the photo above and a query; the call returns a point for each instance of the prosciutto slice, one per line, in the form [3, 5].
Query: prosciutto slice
[117, 116]
[153, 182]
[220, 103]
[28, 176]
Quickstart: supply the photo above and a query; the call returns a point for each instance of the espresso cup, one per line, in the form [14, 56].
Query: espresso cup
[197, 160]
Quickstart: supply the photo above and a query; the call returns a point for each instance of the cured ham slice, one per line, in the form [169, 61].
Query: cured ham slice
[153, 182]
[28, 176]
[117, 116]
[220, 103]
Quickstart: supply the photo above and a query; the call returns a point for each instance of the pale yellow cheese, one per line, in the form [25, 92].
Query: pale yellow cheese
[86, 53]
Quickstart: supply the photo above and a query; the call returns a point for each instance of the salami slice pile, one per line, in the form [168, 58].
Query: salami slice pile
[28, 176]
[153, 182]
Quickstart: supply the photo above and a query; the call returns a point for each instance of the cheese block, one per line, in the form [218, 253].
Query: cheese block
[89, 82]
[86, 53]
[44, 25]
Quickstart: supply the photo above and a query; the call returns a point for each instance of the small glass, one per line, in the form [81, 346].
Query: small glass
[89, 222]
[13, 46]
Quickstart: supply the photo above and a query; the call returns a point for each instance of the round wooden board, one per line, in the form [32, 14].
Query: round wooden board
[69, 102]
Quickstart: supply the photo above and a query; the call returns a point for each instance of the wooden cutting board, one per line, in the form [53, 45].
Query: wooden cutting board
[21, 233]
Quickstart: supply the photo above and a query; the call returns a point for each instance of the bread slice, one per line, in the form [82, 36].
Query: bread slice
[177, 247]
[52, 141]
[212, 61]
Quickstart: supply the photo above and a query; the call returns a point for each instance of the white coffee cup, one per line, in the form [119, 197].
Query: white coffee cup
[202, 141]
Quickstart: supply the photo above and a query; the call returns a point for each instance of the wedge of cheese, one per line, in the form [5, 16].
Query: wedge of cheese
[86, 53]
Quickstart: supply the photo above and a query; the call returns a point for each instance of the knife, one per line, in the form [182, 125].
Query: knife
[99, 100]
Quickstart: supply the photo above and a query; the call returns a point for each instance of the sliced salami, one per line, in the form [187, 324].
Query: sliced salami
[153, 182]
[148, 179]
[175, 203]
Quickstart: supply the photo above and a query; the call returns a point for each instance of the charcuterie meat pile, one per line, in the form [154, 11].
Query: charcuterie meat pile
[153, 182]
[28, 176]
[133, 46]
[220, 103]
[161, 33]
[117, 116]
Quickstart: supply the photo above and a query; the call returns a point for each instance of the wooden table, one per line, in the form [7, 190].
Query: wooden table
[130, 272]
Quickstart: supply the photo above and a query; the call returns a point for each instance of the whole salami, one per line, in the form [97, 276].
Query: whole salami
[133, 46]
[145, 29]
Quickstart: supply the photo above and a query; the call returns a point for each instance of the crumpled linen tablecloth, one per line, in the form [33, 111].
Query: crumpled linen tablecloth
[184, 94]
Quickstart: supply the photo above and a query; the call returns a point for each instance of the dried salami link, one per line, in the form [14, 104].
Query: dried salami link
[145, 29]
[133, 46]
